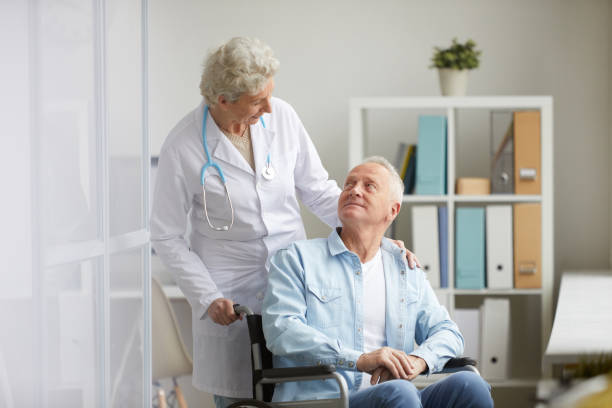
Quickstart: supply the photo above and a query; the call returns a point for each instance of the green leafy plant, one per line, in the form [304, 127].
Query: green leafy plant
[457, 56]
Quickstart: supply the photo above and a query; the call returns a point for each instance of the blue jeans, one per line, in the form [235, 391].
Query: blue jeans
[464, 389]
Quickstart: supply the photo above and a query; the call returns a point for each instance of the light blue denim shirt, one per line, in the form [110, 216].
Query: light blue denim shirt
[313, 313]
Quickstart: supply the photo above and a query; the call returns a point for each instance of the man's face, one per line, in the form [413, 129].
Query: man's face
[366, 197]
[249, 108]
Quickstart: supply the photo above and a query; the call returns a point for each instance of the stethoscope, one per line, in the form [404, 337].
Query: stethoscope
[268, 173]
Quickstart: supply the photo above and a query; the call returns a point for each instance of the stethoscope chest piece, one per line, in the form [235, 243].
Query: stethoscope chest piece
[268, 173]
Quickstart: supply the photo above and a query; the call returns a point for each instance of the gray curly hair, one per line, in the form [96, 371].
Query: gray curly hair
[241, 65]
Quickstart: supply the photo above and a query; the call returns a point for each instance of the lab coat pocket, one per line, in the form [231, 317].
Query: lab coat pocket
[324, 306]
[217, 204]
[212, 329]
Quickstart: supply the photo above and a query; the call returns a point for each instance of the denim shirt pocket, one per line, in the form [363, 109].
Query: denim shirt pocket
[324, 306]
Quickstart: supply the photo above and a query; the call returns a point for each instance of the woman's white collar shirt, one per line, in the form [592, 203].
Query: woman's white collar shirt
[233, 264]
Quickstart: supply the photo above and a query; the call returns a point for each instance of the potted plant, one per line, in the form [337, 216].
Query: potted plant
[453, 64]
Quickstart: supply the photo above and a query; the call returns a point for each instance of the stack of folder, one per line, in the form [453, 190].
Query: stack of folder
[486, 334]
[504, 238]
[515, 165]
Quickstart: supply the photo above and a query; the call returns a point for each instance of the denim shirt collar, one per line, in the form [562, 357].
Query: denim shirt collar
[336, 245]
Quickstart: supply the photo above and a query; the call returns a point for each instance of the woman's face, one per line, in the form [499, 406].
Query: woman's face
[249, 108]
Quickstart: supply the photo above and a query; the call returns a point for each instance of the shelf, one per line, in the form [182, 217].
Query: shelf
[443, 102]
[456, 108]
[498, 198]
[492, 198]
[487, 292]
[411, 198]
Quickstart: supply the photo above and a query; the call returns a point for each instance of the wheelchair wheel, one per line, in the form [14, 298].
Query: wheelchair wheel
[252, 403]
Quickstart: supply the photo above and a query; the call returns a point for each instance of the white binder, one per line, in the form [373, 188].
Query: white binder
[494, 350]
[425, 241]
[468, 321]
[499, 247]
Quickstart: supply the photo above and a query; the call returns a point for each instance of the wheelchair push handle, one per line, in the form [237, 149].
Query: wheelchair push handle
[239, 309]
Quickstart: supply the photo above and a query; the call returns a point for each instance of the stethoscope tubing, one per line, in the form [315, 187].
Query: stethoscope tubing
[211, 163]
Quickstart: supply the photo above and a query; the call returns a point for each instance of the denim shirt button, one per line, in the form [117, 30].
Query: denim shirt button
[401, 325]
[340, 362]
[351, 364]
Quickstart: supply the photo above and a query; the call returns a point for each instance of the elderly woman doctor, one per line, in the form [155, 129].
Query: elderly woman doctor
[235, 167]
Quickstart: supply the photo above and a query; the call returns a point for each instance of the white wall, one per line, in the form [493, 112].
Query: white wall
[610, 124]
[331, 51]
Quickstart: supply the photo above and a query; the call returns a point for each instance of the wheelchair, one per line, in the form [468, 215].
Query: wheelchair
[265, 376]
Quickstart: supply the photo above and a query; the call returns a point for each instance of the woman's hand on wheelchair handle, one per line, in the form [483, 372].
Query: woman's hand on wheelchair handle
[221, 311]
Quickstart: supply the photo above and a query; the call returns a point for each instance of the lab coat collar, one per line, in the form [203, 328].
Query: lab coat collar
[219, 145]
[222, 149]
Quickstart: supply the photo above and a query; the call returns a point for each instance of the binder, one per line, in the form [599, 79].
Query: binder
[431, 166]
[470, 248]
[443, 241]
[527, 246]
[527, 153]
[468, 321]
[425, 241]
[499, 246]
[502, 152]
[495, 326]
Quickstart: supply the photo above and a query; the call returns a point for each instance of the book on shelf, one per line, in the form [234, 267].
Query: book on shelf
[443, 240]
[401, 159]
[410, 176]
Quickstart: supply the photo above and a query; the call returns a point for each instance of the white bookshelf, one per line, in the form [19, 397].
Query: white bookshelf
[450, 106]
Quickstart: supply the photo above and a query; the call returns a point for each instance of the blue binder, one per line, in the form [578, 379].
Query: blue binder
[443, 242]
[431, 165]
[470, 248]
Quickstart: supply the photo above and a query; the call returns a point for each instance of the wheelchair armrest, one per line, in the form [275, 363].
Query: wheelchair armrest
[297, 371]
[459, 364]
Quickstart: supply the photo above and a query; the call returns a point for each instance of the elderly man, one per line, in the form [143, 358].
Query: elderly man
[351, 300]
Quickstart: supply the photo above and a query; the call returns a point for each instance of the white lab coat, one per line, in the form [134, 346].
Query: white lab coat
[233, 264]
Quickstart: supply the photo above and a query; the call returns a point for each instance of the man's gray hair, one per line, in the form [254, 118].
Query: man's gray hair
[241, 65]
[396, 185]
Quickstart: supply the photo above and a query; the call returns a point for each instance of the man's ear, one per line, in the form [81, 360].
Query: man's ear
[395, 208]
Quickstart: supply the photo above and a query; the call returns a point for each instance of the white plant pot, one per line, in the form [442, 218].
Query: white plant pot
[453, 82]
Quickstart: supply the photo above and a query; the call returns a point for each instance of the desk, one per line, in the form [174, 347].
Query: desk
[583, 321]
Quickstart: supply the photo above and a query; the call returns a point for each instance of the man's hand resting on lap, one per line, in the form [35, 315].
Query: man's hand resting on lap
[387, 363]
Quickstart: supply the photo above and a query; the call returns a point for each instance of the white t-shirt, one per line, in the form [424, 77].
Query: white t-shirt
[374, 304]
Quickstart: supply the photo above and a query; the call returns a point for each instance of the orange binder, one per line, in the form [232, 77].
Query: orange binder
[527, 152]
[527, 246]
